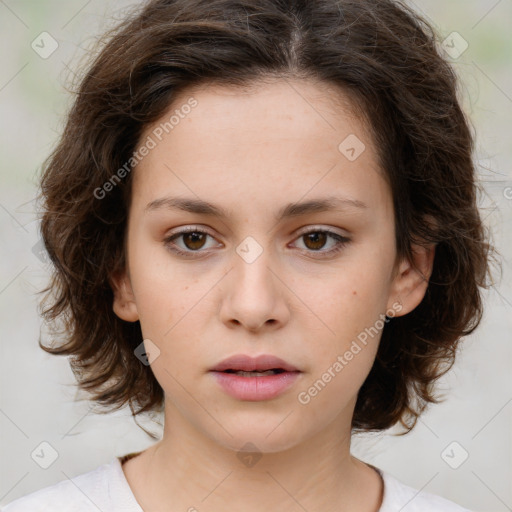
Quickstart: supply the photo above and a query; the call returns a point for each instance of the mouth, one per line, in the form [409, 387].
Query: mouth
[253, 365]
[255, 378]
[256, 373]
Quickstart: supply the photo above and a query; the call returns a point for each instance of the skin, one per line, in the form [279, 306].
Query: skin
[252, 152]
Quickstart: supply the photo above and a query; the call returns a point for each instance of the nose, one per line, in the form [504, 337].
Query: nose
[254, 295]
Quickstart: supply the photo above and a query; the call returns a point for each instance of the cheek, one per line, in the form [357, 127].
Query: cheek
[171, 301]
[347, 301]
[159, 295]
[343, 356]
[349, 305]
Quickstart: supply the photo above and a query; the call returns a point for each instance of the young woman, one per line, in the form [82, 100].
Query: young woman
[262, 219]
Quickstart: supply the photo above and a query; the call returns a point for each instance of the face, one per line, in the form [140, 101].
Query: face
[293, 257]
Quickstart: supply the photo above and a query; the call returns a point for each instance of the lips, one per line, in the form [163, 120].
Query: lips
[264, 377]
[261, 363]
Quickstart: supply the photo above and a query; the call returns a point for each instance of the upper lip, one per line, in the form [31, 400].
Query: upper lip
[247, 363]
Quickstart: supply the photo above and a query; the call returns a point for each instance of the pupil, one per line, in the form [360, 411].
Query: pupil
[196, 240]
[318, 240]
[315, 241]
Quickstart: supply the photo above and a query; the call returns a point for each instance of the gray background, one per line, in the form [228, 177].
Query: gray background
[37, 396]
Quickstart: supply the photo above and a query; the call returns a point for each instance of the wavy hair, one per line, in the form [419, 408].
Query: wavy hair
[380, 53]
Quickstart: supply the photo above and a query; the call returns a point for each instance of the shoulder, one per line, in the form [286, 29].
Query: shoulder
[401, 497]
[99, 489]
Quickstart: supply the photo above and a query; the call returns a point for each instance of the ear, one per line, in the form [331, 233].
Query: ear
[124, 305]
[411, 279]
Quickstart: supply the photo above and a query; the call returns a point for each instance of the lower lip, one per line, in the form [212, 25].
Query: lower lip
[255, 388]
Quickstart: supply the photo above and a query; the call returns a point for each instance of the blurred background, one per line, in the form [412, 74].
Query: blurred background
[460, 449]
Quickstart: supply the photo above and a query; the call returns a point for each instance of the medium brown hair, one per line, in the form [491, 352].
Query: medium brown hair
[385, 58]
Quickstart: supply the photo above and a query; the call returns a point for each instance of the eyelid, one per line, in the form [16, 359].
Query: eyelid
[320, 228]
[190, 228]
[341, 242]
[341, 239]
[179, 232]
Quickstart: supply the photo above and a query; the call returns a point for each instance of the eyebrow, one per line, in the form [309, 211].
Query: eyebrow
[199, 206]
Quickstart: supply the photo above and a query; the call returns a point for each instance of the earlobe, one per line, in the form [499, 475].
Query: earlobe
[412, 277]
[124, 305]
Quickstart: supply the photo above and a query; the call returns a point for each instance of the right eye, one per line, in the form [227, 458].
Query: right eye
[193, 240]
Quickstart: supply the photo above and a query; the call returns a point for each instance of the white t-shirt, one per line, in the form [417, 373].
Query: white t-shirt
[106, 488]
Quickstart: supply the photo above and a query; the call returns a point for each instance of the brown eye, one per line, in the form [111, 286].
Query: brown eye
[194, 240]
[322, 243]
[189, 242]
[315, 240]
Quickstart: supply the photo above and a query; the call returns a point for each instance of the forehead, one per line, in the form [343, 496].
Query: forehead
[271, 107]
[259, 142]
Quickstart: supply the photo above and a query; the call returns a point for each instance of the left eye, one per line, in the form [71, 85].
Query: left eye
[316, 240]
[195, 239]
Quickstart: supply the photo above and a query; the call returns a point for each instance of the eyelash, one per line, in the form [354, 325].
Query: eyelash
[169, 242]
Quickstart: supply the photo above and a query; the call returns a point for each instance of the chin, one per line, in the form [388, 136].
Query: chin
[262, 435]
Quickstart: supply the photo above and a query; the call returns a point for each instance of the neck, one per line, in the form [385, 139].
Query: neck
[192, 472]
